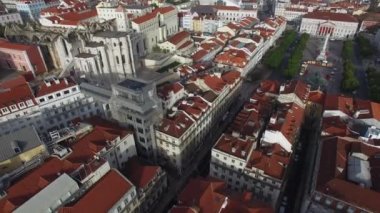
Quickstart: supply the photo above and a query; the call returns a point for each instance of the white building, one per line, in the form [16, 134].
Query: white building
[338, 25]
[157, 25]
[180, 42]
[293, 13]
[108, 10]
[180, 134]
[55, 103]
[170, 94]
[231, 13]
[243, 167]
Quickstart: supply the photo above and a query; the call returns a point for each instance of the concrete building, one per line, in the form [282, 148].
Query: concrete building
[24, 58]
[134, 103]
[165, 19]
[180, 134]
[338, 25]
[21, 148]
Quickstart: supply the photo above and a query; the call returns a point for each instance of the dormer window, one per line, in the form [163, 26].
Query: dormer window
[5, 110]
[22, 105]
[29, 103]
[13, 107]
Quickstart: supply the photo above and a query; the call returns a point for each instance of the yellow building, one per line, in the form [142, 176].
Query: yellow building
[197, 24]
[20, 148]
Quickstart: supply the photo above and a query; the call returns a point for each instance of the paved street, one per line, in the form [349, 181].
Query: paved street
[176, 184]
[327, 78]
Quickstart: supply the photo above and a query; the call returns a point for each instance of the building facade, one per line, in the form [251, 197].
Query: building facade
[337, 25]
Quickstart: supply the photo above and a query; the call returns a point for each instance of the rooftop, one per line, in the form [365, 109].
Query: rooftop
[132, 84]
[51, 85]
[331, 16]
[333, 172]
[234, 146]
[139, 173]
[102, 196]
[19, 142]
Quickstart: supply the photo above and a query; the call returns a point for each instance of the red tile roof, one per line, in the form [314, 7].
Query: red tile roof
[334, 126]
[234, 146]
[144, 18]
[102, 196]
[199, 55]
[175, 124]
[209, 194]
[341, 103]
[183, 209]
[269, 86]
[332, 173]
[14, 91]
[178, 37]
[61, 84]
[268, 163]
[289, 118]
[95, 141]
[153, 14]
[34, 181]
[331, 16]
[317, 97]
[214, 83]
[139, 173]
[222, 7]
[230, 77]
[165, 91]
[297, 87]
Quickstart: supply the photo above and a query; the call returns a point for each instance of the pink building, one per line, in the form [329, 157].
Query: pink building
[21, 57]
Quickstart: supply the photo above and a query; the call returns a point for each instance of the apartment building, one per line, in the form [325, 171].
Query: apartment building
[75, 169]
[212, 195]
[24, 58]
[52, 104]
[345, 177]
[112, 193]
[180, 134]
[134, 103]
[241, 159]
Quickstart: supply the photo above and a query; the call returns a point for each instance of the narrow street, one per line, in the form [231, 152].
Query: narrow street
[176, 184]
[300, 170]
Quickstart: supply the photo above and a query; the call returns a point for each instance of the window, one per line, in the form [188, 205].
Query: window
[119, 209]
[58, 94]
[13, 107]
[66, 92]
[74, 89]
[140, 130]
[138, 120]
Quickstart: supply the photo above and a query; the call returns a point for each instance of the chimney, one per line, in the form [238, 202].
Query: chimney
[66, 82]
[233, 150]
[47, 83]
[56, 81]
[243, 153]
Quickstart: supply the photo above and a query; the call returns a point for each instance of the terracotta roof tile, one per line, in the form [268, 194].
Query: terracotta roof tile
[55, 86]
[331, 16]
[139, 173]
[178, 37]
[102, 196]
